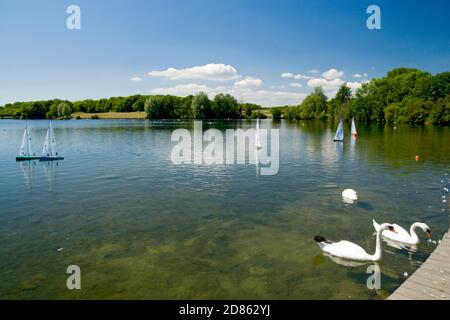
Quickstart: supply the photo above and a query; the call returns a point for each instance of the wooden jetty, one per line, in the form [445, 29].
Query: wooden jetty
[432, 280]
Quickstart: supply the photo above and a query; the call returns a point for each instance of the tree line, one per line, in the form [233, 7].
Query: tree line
[223, 106]
[404, 95]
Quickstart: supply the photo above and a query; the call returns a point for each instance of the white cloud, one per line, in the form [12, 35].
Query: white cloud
[355, 85]
[287, 75]
[212, 71]
[278, 87]
[248, 82]
[314, 71]
[295, 85]
[270, 98]
[136, 79]
[301, 76]
[330, 87]
[359, 75]
[332, 74]
[188, 89]
[325, 84]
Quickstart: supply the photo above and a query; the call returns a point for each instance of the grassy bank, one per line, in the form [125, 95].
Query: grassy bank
[127, 115]
[109, 115]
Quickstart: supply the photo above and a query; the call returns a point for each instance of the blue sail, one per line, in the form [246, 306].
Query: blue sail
[339, 136]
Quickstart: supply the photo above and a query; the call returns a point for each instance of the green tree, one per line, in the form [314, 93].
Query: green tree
[314, 106]
[392, 112]
[340, 105]
[156, 107]
[66, 110]
[277, 113]
[201, 106]
[225, 107]
[343, 95]
[417, 110]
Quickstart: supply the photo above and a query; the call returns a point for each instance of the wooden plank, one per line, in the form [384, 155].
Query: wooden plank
[410, 294]
[432, 280]
[433, 276]
[424, 291]
[427, 284]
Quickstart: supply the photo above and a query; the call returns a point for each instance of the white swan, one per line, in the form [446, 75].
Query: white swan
[402, 235]
[349, 196]
[348, 250]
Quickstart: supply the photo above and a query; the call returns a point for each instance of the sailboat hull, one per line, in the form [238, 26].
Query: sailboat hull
[26, 158]
[50, 158]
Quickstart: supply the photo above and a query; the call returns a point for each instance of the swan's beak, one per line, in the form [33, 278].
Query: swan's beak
[428, 233]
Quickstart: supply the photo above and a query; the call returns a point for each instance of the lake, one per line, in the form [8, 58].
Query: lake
[141, 227]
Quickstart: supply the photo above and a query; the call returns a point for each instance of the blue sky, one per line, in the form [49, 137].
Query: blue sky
[240, 47]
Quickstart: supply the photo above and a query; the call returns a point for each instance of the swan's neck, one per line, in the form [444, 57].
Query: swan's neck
[378, 252]
[412, 232]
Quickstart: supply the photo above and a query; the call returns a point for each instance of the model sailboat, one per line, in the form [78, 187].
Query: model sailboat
[49, 152]
[257, 137]
[339, 136]
[26, 147]
[354, 132]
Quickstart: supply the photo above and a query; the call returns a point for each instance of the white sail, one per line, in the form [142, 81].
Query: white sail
[52, 141]
[29, 141]
[24, 145]
[46, 147]
[339, 136]
[354, 132]
[257, 137]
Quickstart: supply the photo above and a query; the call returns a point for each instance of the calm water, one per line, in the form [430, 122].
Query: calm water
[142, 227]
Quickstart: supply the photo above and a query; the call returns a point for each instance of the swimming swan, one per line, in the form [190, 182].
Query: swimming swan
[349, 196]
[348, 250]
[402, 235]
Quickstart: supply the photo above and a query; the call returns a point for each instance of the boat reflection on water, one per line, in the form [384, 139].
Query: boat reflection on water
[339, 150]
[352, 147]
[50, 168]
[27, 168]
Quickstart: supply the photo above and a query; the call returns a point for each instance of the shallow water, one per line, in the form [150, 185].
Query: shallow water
[141, 227]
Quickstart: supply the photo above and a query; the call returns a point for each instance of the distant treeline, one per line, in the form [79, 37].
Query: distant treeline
[403, 96]
[223, 106]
